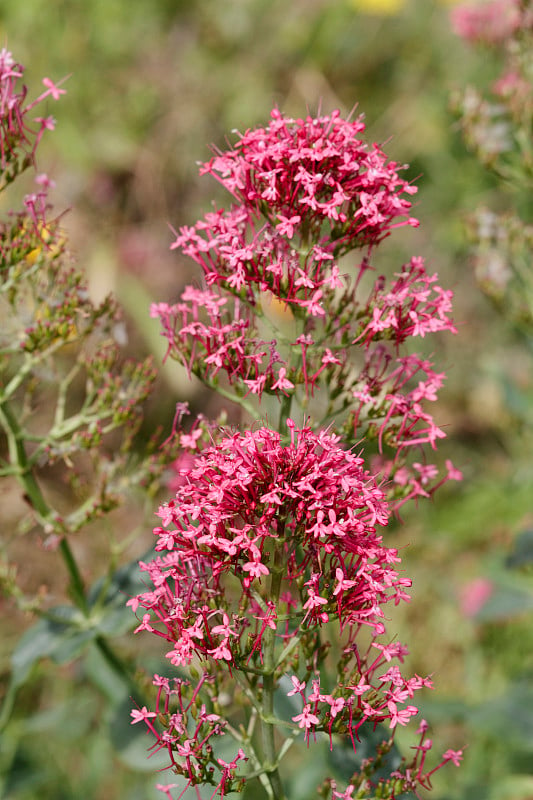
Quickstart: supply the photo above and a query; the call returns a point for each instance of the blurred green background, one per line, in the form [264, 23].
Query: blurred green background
[152, 83]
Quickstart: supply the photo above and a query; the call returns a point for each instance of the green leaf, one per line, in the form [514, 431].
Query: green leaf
[505, 602]
[61, 638]
[98, 670]
[523, 551]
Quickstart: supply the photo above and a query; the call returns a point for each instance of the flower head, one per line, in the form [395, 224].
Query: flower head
[246, 496]
[318, 173]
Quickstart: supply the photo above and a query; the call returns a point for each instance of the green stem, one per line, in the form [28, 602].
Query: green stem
[76, 587]
[240, 401]
[269, 664]
[285, 410]
[47, 518]
[51, 521]
[30, 363]
[21, 467]
[120, 667]
[245, 740]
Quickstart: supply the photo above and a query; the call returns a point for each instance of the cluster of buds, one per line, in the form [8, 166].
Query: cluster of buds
[273, 541]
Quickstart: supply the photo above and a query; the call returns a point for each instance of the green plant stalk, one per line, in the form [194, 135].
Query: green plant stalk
[267, 717]
[34, 496]
[241, 401]
[284, 412]
[245, 739]
[119, 666]
[29, 364]
[49, 521]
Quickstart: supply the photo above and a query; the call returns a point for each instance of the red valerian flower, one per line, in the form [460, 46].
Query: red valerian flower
[319, 174]
[274, 537]
[308, 192]
[260, 526]
[242, 500]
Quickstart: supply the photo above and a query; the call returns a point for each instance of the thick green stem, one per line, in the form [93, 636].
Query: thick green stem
[77, 587]
[22, 469]
[269, 665]
[284, 413]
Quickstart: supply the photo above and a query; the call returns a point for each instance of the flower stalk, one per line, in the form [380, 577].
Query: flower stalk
[268, 727]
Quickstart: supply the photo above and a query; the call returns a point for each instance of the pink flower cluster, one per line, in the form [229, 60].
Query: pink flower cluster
[311, 501]
[307, 512]
[349, 708]
[308, 192]
[216, 333]
[188, 733]
[273, 537]
[16, 135]
[319, 176]
[19, 140]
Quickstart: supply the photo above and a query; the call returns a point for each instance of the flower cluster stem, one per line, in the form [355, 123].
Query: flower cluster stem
[267, 726]
[285, 412]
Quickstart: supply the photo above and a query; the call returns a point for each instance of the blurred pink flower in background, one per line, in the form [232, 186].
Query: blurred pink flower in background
[490, 22]
[512, 85]
[474, 595]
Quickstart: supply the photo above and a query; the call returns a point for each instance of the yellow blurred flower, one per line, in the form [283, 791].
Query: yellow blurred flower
[387, 7]
[278, 315]
[275, 309]
[379, 7]
[51, 250]
[33, 255]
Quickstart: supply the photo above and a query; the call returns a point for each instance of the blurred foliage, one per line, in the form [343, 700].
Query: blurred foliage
[152, 83]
